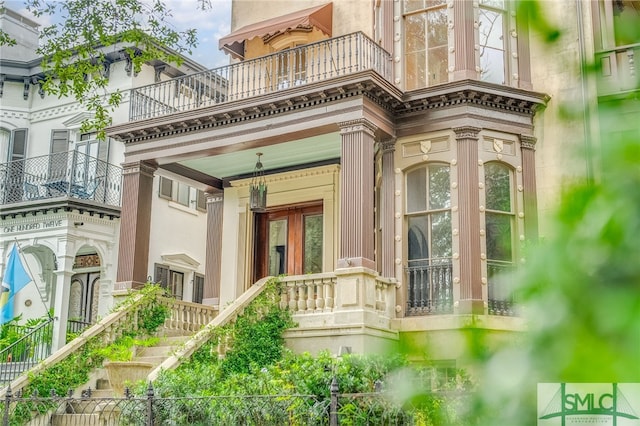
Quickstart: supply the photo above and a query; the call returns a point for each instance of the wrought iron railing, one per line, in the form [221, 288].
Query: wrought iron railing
[75, 327]
[64, 174]
[501, 298]
[618, 69]
[320, 61]
[26, 352]
[430, 287]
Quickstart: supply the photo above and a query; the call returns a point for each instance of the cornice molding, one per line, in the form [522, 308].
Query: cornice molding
[291, 175]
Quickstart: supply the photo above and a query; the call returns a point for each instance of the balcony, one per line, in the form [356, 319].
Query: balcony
[304, 65]
[618, 71]
[64, 179]
[430, 290]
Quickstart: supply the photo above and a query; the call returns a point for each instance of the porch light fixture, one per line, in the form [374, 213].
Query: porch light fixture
[258, 188]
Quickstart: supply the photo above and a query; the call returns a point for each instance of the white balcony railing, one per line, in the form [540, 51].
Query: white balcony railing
[296, 67]
[618, 70]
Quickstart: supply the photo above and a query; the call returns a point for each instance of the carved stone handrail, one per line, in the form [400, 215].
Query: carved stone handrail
[187, 316]
[228, 314]
[309, 293]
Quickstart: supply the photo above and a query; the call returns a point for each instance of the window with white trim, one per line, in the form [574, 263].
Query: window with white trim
[182, 193]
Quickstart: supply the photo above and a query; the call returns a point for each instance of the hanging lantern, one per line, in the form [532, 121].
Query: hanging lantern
[258, 188]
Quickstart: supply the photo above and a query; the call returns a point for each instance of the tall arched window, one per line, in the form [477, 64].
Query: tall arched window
[428, 217]
[499, 224]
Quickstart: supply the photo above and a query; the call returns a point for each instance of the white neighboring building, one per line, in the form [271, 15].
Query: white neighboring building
[60, 192]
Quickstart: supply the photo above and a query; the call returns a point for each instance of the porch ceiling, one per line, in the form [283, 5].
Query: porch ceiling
[283, 155]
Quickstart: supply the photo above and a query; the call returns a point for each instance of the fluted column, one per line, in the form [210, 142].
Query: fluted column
[469, 221]
[213, 263]
[356, 195]
[464, 39]
[527, 144]
[135, 225]
[387, 202]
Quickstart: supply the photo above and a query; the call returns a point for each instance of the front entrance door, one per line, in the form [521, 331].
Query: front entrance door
[289, 241]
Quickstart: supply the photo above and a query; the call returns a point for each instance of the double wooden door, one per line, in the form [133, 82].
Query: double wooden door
[289, 241]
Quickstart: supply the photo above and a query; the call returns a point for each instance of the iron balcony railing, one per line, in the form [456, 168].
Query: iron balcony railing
[64, 174]
[430, 289]
[618, 69]
[500, 282]
[320, 61]
[26, 352]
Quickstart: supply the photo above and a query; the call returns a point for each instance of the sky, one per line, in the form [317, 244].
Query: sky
[211, 25]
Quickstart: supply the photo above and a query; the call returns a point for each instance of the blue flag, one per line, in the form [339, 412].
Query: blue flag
[15, 278]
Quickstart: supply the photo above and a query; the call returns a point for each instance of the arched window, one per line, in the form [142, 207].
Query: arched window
[499, 225]
[428, 218]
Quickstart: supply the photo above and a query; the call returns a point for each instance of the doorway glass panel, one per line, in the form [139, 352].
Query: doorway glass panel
[277, 247]
[312, 263]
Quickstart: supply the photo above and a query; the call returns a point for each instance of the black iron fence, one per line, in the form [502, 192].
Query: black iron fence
[64, 174]
[31, 347]
[375, 408]
[430, 287]
[299, 66]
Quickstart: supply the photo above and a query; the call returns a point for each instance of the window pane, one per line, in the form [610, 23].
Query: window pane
[165, 187]
[498, 4]
[177, 279]
[498, 236]
[415, 52]
[438, 60]
[416, 74]
[277, 247]
[418, 239]
[417, 190]
[183, 194]
[437, 26]
[497, 184]
[19, 147]
[441, 234]
[439, 187]
[412, 5]
[198, 288]
[492, 63]
[312, 244]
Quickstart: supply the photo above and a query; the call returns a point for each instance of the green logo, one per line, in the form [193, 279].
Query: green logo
[587, 404]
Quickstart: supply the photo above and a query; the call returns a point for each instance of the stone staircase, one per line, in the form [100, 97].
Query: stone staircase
[100, 403]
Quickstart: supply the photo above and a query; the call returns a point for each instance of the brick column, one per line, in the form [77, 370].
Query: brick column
[469, 221]
[135, 224]
[464, 35]
[356, 195]
[213, 263]
[387, 213]
[527, 147]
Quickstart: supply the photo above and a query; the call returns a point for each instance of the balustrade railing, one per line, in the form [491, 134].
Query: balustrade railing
[430, 287]
[187, 316]
[64, 174]
[501, 298]
[618, 71]
[309, 293]
[320, 61]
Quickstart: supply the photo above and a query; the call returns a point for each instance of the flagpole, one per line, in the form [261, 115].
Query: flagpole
[31, 275]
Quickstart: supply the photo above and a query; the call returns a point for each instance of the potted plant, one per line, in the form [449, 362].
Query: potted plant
[121, 368]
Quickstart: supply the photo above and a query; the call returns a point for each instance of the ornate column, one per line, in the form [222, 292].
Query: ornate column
[527, 148]
[135, 224]
[213, 263]
[66, 257]
[464, 44]
[387, 203]
[469, 221]
[356, 195]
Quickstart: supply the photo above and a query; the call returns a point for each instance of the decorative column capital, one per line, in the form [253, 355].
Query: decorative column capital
[139, 167]
[528, 141]
[467, 132]
[388, 145]
[359, 125]
[214, 197]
